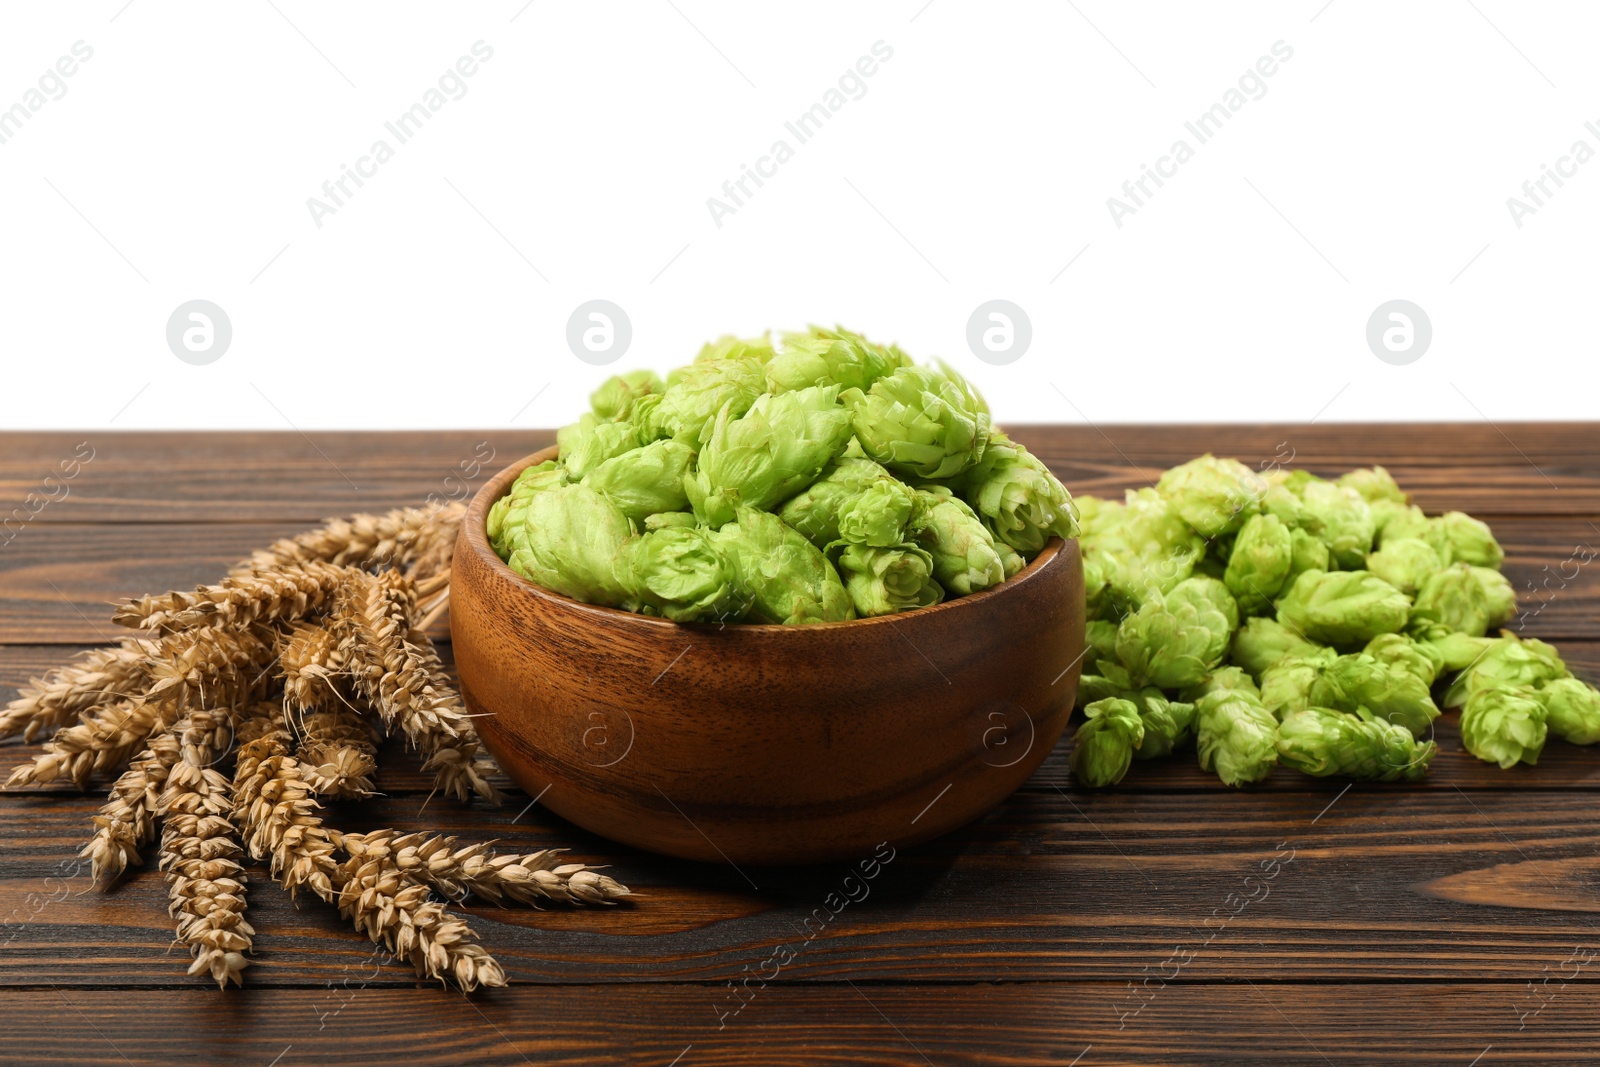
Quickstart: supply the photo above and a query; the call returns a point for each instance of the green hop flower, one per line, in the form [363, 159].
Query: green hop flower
[877, 515]
[1340, 519]
[1507, 662]
[1261, 642]
[1214, 496]
[964, 555]
[1374, 484]
[1103, 747]
[645, 480]
[1471, 540]
[1096, 588]
[1100, 636]
[1422, 659]
[815, 511]
[591, 441]
[1454, 598]
[781, 576]
[920, 422]
[1219, 679]
[1572, 710]
[1236, 736]
[1323, 742]
[677, 573]
[882, 581]
[1391, 694]
[1382, 512]
[1405, 563]
[1141, 547]
[1504, 725]
[728, 346]
[615, 398]
[697, 394]
[1175, 640]
[507, 513]
[569, 543]
[831, 357]
[1168, 724]
[1017, 497]
[1412, 523]
[666, 520]
[765, 456]
[1499, 594]
[1456, 651]
[1306, 553]
[1258, 563]
[1011, 562]
[1345, 609]
[1286, 685]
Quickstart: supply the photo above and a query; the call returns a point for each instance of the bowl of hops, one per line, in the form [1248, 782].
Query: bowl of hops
[795, 600]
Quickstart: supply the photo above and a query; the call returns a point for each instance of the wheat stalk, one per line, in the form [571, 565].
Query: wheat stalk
[397, 670]
[475, 869]
[419, 540]
[293, 642]
[126, 822]
[200, 854]
[99, 677]
[285, 594]
[274, 809]
[391, 909]
[205, 667]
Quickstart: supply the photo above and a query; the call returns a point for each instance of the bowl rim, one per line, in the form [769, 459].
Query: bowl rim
[474, 529]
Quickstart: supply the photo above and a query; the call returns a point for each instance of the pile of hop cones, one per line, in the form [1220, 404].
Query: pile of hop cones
[235, 707]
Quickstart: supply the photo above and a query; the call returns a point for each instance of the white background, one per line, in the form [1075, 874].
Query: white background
[977, 165]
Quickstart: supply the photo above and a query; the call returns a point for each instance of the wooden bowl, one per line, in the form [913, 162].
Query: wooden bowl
[765, 744]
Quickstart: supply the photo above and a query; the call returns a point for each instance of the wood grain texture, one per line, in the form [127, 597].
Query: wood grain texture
[1058, 885]
[264, 476]
[863, 1025]
[1444, 922]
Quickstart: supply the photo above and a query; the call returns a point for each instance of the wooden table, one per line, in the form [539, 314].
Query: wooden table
[1170, 920]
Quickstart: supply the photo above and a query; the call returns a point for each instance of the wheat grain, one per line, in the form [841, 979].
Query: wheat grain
[337, 754]
[457, 871]
[310, 659]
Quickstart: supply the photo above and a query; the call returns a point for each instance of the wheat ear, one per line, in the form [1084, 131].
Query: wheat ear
[200, 854]
[457, 871]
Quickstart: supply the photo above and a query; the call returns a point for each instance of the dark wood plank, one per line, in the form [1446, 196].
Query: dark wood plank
[247, 476]
[1373, 884]
[1534, 468]
[58, 581]
[1047, 1025]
